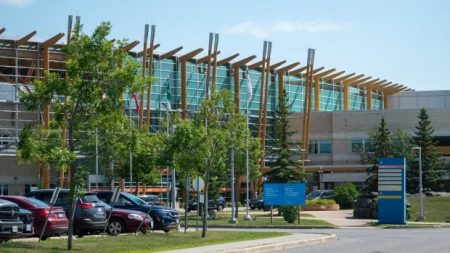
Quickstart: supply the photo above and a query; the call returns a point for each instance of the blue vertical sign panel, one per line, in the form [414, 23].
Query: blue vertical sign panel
[391, 191]
[288, 194]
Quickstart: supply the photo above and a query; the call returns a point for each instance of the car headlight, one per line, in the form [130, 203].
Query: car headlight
[133, 216]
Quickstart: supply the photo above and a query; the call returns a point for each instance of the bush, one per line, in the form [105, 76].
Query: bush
[290, 213]
[321, 202]
[345, 195]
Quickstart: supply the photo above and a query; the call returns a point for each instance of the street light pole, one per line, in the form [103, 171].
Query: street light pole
[247, 215]
[233, 204]
[421, 216]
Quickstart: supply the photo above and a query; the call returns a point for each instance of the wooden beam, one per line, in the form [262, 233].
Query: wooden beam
[340, 79]
[255, 65]
[2, 30]
[317, 70]
[288, 67]
[276, 65]
[353, 79]
[183, 89]
[170, 53]
[331, 77]
[390, 87]
[357, 82]
[380, 86]
[376, 83]
[24, 39]
[52, 40]
[227, 60]
[130, 46]
[191, 54]
[324, 73]
[244, 61]
[141, 53]
[298, 71]
[363, 85]
[237, 88]
[204, 59]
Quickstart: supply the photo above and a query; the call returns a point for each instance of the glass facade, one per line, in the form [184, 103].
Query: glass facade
[166, 92]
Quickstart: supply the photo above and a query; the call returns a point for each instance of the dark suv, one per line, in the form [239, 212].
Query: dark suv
[90, 214]
[10, 224]
[164, 218]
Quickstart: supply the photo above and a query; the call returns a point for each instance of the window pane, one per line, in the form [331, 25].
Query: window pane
[325, 147]
[357, 146]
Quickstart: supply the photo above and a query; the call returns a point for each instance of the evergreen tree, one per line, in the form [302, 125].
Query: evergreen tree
[432, 161]
[380, 139]
[286, 169]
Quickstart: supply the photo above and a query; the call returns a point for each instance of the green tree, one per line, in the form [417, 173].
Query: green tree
[432, 161]
[286, 168]
[98, 78]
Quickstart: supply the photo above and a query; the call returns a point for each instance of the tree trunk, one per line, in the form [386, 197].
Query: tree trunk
[72, 186]
[205, 206]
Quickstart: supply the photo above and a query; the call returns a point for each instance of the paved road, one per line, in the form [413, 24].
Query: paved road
[372, 240]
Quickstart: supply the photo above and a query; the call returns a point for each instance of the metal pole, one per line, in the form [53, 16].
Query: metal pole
[96, 159]
[174, 189]
[247, 215]
[421, 217]
[131, 152]
[233, 204]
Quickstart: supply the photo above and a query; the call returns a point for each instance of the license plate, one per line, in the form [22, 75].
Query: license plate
[60, 215]
[100, 210]
[15, 229]
[28, 228]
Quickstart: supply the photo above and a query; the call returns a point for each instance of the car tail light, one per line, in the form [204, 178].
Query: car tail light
[42, 212]
[86, 205]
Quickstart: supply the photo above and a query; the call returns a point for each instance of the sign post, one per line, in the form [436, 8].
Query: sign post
[284, 194]
[52, 203]
[391, 191]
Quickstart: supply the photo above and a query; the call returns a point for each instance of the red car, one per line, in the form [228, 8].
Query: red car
[127, 221]
[57, 221]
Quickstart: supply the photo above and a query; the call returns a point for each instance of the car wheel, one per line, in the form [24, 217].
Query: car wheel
[166, 231]
[79, 233]
[115, 227]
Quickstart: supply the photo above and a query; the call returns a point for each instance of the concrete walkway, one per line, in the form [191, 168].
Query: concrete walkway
[262, 245]
[340, 218]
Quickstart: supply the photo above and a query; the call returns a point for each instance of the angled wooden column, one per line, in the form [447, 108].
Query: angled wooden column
[183, 62]
[281, 72]
[346, 83]
[317, 78]
[46, 65]
[307, 103]
[144, 68]
[150, 74]
[237, 83]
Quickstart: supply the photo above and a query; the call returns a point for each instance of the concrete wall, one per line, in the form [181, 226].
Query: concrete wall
[420, 99]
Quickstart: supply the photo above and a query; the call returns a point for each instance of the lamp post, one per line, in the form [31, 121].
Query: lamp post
[421, 217]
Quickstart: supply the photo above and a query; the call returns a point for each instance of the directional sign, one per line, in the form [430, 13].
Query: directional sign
[391, 191]
[288, 194]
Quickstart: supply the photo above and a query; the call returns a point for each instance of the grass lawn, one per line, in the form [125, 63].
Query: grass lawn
[222, 219]
[151, 242]
[436, 209]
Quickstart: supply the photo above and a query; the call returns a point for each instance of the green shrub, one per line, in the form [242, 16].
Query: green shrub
[321, 202]
[290, 213]
[345, 195]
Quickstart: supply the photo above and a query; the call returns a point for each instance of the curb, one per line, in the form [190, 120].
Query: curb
[283, 245]
[277, 227]
[416, 226]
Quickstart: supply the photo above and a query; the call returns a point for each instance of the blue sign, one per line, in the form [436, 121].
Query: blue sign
[288, 194]
[391, 191]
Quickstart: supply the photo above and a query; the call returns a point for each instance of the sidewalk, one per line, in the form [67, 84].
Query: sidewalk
[262, 245]
[340, 218]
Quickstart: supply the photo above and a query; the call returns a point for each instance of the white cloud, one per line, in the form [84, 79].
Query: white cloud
[285, 26]
[16, 3]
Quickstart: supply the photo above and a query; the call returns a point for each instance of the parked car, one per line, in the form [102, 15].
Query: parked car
[366, 206]
[57, 221]
[164, 218]
[320, 194]
[150, 199]
[127, 221]
[10, 225]
[90, 213]
[27, 218]
[258, 203]
[212, 205]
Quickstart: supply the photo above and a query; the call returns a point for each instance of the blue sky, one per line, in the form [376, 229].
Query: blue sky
[406, 42]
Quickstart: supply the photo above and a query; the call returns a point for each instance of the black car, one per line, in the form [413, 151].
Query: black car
[212, 205]
[10, 224]
[90, 213]
[365, 206]
[27, 218]
[164, 218]
[258, 203]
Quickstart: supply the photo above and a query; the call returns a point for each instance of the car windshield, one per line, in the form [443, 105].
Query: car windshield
[37, 202]
[90, 198]
[135, 199]
[313, 195]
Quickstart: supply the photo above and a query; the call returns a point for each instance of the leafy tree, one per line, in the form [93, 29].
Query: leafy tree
[98, 78]
[432, 161]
